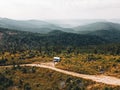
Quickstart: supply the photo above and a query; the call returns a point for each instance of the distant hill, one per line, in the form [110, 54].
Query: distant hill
[107, 30]
[28, 25]
[69, 23]
[97, 26]
[36, 26]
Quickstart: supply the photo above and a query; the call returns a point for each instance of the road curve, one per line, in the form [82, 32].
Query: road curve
[97, 78]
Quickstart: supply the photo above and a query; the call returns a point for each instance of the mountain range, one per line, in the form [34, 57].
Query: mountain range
[98, 26]
[28, 25]
[108, 31]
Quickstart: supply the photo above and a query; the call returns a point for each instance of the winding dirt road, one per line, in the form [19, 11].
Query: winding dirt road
[97, 78]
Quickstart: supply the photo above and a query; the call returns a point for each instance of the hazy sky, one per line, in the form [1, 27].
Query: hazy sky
[60, 9]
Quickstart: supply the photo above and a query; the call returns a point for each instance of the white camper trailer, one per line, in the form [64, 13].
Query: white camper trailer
[56, 59]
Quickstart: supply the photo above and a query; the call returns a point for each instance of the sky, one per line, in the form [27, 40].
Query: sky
[60, 9]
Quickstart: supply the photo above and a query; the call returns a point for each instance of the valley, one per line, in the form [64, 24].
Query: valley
[90, 56]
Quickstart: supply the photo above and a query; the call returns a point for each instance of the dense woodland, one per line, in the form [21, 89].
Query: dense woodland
[55, 41]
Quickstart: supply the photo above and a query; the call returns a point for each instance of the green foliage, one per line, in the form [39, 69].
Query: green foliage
[48, 43]
[56, 43]
[5, 82]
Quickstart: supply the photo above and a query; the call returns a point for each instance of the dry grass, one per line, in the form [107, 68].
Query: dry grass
[44, 79]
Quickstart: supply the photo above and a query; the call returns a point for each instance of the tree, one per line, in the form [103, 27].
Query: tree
[27, 86]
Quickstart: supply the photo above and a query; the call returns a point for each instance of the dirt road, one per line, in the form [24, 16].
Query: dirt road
[98, 78]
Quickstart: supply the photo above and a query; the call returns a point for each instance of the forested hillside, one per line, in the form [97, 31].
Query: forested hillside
[12, 40]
